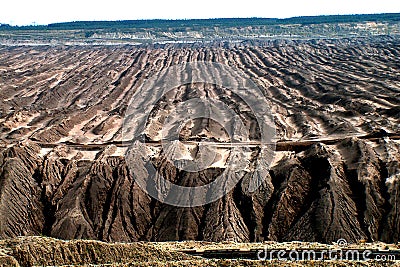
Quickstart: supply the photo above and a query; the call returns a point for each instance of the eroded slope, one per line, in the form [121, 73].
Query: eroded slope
[335, 175]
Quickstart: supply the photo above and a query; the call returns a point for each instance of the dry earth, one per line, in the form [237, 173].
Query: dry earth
[44, 251]
[336, 172]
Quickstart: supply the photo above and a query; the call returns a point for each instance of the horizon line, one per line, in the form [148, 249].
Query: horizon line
[33, 24]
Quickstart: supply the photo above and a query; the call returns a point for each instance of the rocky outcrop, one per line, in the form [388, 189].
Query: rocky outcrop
[330, 212]
[21, 208]
[315, 195]
[391, 230]
[293, 188]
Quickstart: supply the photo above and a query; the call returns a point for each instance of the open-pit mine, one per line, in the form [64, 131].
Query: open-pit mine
[329, 171]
